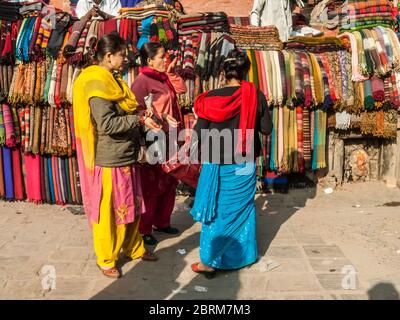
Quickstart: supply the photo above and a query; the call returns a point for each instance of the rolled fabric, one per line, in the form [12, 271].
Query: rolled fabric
[8, 173]
[17, 174]
[2, 186]
[33, 173]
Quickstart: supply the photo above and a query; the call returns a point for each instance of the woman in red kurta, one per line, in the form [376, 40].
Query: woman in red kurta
[159, 189]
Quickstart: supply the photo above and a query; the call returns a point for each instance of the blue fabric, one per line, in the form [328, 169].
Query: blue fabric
[129, 3]
[226, 197]
[145, 37]
[314, 165]
[8, 173]
[53, 198]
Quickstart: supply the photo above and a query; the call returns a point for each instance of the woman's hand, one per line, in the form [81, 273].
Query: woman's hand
[171, 121]
[151, 124]
[172, 65]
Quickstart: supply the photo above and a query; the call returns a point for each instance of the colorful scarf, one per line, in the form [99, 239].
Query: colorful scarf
[219, 109]
[94, 81]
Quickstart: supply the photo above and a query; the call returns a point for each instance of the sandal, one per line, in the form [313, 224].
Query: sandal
[110, 273]
[207, 274]
[149, 256]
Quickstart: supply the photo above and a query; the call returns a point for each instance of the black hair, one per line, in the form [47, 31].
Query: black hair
[236, 65]
[148, 51]
[109, 43]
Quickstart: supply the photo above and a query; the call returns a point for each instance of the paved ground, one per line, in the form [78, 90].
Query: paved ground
[312, 245]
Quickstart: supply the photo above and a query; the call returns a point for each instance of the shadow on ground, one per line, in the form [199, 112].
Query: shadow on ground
[171, 276]
[383, 291]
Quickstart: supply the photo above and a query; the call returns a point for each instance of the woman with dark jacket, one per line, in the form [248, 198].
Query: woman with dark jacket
[224, 201]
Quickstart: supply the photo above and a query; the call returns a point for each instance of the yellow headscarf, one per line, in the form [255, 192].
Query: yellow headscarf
[94, 81]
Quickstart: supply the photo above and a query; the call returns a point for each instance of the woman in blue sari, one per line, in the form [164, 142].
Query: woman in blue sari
[224, 202]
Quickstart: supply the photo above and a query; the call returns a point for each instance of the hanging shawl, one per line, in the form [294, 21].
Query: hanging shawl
[77, 29]
[69, 83]
[17, 174]
[80, 48]
[2, 129]
[378, 91]
[94, 81]
[7, 169]
[56, 40]
[270, 79]
[9, 126]
[282, 74]
[319, 140]
[288, 80]
[356, 75]
[33, 174]
[307, 138]
[317, 80]
[300, 138]
[369, 101]
[299, 79]
[33, 54]
[387, 44]
[384, 67]
[306, 81]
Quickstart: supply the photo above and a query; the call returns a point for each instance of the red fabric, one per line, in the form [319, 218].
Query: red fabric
[159, 191]
[17, 174]
[110, 25]
[100, 31]
[218, 109]
[32, 165]
[158, 212]
[156, 75]
[7, 49]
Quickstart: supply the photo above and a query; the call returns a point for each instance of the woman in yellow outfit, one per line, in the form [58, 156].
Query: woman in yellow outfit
[106, 123]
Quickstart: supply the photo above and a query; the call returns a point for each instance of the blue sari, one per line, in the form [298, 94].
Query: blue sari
[224, 204]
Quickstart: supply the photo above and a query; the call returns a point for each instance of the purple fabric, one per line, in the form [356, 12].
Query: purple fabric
[8, 178]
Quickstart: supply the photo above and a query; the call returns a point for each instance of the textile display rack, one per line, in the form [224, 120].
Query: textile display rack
[312, 84]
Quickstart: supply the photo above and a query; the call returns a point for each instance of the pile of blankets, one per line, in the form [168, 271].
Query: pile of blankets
[314, 44]
[9, 11]
[204, 22]
[140, 13]
[367, 14]
[259, 38]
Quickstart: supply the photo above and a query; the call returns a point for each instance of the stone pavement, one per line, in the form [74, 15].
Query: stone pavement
[310, 245]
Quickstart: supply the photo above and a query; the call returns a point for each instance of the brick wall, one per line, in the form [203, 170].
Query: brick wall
[235, 8]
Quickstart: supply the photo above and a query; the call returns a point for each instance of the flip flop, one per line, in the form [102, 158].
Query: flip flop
[110, 273]
[207, 274]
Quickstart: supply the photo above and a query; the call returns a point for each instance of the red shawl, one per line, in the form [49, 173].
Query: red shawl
[157, 75]
[218, 109]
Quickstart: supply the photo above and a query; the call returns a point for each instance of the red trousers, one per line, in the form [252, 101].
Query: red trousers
[159, 191]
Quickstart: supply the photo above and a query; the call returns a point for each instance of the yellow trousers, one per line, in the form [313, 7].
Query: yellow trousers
[109, 238]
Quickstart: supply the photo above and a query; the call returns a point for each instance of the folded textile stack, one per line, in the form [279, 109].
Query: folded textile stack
[203, 22]
[260, 38]
[129, 3]
[366, 14]
[140, 13]
[9, 11]
[314, 44]
[240, 21]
